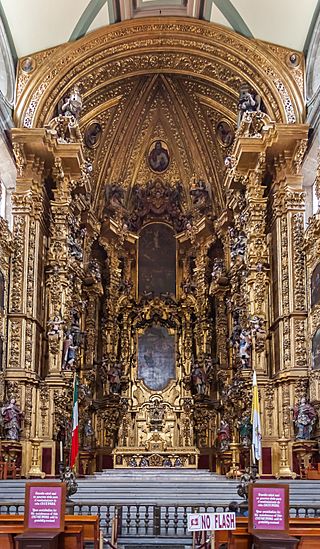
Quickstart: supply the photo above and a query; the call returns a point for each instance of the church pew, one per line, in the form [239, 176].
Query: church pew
[239, 538]
[72, 537]
[11, 525]
[306, 529]
[90, 525]
[7, 534]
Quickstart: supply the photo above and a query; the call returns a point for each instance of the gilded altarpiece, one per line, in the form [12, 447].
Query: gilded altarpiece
[158, 250]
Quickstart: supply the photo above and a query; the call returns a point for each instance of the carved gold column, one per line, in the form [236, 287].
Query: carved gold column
[272, 222]
[202, 331]
[6, 249]
[288, 322]
[26, 309]
[289, 296]
[111, 327]
[312, 247]
[257, 260]
[36, 152]
[64, 278]
[58, 272]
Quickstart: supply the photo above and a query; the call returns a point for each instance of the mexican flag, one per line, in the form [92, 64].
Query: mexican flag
[75, 425]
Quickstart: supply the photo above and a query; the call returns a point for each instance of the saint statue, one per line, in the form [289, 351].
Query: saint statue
[11, 416]
[114, 377]
[71, 104]
[224, 436]
[245, 348]
[304, 418]
[88, 434]
[249, 101]
[199, 379]
[245, 431]
[55, 327]
[69, 352]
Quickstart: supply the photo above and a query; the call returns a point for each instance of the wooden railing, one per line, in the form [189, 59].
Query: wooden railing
[163, 521]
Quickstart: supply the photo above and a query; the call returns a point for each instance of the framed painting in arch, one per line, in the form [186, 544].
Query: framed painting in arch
[224, 133]
[316, 350]
[315, 286]
[2, 291]
[158, 156]
[157, 260]
[156, 357]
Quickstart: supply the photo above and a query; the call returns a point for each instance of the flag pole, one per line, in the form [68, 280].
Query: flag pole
[256, 427]
[75, 425]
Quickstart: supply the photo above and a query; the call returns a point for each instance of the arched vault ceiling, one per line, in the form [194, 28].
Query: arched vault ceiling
[171, 109]
[40, 24]
[170, 79]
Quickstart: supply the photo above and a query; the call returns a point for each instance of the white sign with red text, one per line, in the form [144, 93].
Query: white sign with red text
[211, 521]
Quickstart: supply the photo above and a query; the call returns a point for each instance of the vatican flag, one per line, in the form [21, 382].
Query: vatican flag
[255, 420]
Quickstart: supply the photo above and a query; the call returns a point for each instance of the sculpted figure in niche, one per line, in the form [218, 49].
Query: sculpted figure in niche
[199, 379]
[114, 377]
[245, 431]
[11, 416]
[249, 101]
[55, 326]
[245, 348]
[304, 418]
[159, 157]
[71, 105]
[258, 332]
[69, 352]
[224, 436]
[88, 434]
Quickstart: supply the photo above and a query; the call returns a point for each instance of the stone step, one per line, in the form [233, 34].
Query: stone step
[162, 487]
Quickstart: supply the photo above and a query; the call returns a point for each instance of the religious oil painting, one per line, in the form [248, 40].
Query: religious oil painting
[157, 261]
[225, 133]
[158, 156]
[316, 350]
[156, 357]
[315, 286]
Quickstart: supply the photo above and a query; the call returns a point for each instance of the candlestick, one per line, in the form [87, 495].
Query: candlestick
[61, 451]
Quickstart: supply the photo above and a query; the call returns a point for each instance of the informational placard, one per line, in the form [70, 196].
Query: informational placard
[45, 506]
[200, 522]
[268, 507]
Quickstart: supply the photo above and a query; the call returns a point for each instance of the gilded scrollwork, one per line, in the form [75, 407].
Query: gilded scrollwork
[299, 261]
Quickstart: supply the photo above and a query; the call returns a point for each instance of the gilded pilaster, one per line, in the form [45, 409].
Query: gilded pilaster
[6, 249]
[289, 307]
[312, 250]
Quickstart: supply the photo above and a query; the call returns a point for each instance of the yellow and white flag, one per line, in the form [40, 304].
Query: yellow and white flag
[255, 420]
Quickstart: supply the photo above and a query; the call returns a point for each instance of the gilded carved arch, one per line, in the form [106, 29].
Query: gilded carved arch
[172, 45]
[143, 80]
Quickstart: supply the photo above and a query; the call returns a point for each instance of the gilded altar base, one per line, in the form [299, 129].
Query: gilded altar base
[156, 457]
